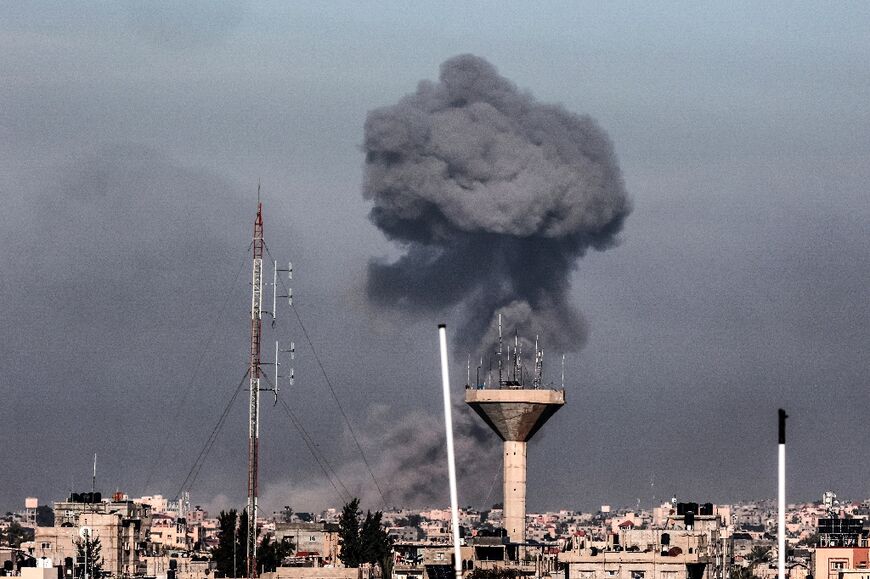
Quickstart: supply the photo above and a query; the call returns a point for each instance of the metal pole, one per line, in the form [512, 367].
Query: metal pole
[781, 485]
[451, 459]
[254, 399]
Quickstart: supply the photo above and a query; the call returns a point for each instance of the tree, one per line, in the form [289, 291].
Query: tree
[44, 516]
[366, 543]
[348, 534]
[376, 547]
[223, 554]
[242, 546]
[16, 534]
[742, 573]
[89, 551]
[231, 553]
[270, 554]
[758, 555]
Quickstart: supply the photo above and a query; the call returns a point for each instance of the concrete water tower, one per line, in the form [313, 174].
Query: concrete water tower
[515, 412]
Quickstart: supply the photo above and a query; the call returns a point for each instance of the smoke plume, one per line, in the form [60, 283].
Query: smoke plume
[413, 473]
[494, 197]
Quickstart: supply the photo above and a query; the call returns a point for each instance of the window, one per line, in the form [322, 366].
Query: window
[637, 574]
[611, 572]
[45, 545]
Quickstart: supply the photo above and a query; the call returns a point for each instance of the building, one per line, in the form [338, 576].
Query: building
[841, 562]
[693, 544]
[314, 544]
[168, 534]
[121, 526]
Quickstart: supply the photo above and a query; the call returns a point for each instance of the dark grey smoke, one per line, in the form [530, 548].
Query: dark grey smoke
[415, 469]
[494, 196]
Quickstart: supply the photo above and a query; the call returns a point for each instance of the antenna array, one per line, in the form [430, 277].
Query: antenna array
[515, 376]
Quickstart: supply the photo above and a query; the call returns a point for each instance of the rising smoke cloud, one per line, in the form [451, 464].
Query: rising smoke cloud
[413, 473]
[494, 197]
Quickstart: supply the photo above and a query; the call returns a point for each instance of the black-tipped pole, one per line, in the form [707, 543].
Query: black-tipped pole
[782, 417]
[781, 488]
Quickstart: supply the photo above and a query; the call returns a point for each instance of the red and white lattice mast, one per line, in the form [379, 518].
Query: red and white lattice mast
[255, 371]
[254, 390]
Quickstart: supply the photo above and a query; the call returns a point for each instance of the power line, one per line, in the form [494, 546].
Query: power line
[209, 443]
[492, 486]
[193, 375]
[340, 408]
[346, 496]
[334, 395]
[312, 447]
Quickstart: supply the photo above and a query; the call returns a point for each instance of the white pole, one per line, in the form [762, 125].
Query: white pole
[781, 488]
[451, 459]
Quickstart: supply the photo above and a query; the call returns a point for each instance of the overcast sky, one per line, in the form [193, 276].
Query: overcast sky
[132, 136]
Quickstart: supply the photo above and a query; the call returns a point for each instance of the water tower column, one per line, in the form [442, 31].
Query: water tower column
[515, 490]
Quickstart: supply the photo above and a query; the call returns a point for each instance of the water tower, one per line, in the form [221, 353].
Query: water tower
[515, 411]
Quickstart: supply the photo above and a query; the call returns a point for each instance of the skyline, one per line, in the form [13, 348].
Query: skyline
[132, 143]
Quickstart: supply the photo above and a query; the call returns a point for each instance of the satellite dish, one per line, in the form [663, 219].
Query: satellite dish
[85, 532]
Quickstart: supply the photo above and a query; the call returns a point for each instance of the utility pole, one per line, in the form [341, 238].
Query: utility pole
[254, 391]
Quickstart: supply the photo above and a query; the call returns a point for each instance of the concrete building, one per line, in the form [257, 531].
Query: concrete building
[318, 573]
[121, 527]
[840, 562]
[313, 543]
[168, 534]
[183, 566]
[689, 546]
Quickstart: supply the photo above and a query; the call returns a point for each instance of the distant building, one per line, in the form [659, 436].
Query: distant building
[693, 544]
[168, 533]
[313, 543]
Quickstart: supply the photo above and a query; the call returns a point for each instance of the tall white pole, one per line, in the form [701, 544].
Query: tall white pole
[781, 485]
[451, 459]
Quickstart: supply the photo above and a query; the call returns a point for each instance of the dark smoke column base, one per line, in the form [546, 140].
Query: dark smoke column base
[515, 414]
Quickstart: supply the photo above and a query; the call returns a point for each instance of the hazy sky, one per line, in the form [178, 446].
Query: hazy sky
[132, 136]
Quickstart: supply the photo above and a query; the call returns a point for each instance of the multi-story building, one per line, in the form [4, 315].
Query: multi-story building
[168, 533]
[693, 543]
[843, 551]
[316, 543]
[121, 526]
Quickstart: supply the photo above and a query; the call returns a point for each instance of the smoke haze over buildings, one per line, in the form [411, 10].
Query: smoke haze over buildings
[493, 196]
